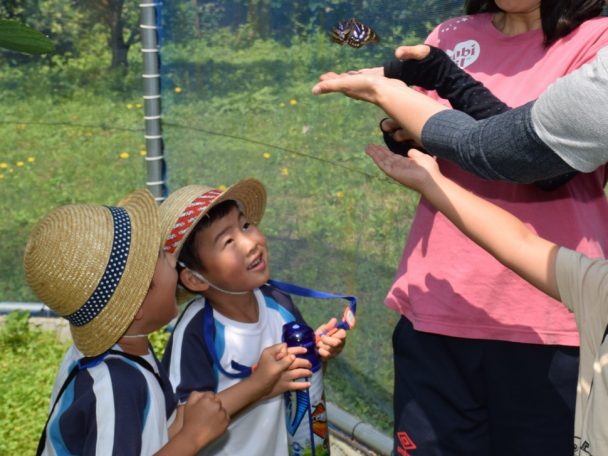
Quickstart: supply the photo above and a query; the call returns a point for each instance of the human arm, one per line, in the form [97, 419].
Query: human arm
[431, 68]
[484, 147]
[513, 243]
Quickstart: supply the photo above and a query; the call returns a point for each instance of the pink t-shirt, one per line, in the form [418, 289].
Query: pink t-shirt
[446, 284]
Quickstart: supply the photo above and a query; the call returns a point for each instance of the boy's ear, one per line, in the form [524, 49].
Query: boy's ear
[191, 282]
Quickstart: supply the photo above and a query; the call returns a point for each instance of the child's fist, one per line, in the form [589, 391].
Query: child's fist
[330, 340]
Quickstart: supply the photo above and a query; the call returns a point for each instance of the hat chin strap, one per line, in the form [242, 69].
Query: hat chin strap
[200, 277]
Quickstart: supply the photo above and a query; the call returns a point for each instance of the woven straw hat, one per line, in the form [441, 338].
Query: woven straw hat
[93, 265]
[183, 209]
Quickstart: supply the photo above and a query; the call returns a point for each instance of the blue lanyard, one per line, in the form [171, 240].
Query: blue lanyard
[242, 371]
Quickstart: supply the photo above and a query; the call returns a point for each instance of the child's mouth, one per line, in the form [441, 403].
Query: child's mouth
[255, 263]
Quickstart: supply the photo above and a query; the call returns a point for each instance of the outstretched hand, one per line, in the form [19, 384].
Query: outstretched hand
[359, 85]
[413, 171]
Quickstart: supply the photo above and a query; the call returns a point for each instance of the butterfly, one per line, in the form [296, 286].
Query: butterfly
[354, 33]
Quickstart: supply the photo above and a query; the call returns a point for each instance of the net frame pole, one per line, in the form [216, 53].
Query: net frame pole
[155, 159]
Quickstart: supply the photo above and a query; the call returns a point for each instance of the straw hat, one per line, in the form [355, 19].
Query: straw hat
[183, 209]
[93, 265]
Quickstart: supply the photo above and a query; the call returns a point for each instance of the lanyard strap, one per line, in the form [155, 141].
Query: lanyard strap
[348, 318]
[86, 363]
[242, 371]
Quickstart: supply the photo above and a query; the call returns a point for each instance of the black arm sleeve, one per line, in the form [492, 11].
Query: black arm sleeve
[504, 147]
[438, 72]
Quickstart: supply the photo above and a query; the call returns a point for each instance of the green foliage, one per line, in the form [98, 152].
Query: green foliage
[18, 37]
[234, 107]
[29, 359]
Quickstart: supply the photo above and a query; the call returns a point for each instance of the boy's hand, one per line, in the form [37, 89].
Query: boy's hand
[204, 418]
[330, 341]
[414, 171]
[278, 367]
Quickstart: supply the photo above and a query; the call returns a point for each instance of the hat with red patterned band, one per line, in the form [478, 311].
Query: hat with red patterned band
[183, 209]
[93, 265]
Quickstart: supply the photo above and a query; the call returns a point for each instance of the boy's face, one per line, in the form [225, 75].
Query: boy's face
[160, 305]
[233, 252]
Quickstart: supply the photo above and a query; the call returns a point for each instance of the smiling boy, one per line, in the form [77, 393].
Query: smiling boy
[223, 256]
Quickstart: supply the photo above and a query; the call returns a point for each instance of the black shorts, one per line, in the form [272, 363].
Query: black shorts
[471, 397]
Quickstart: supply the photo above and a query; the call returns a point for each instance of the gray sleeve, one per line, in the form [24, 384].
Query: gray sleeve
[571, 117]
[503, 147]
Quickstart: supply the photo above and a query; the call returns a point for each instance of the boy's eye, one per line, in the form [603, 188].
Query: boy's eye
[228, 241]
[246, 226]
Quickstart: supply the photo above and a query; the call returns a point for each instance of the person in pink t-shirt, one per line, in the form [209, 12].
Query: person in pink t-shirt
[485, 364]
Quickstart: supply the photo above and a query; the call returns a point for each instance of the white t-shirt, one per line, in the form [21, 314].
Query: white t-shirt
[260, 430]
[583, 287]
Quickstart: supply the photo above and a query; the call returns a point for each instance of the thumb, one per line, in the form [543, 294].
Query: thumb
[418, 52]
[331, 324]
[415, 153]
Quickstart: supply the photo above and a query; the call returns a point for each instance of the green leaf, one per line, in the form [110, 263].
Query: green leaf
[21, 38]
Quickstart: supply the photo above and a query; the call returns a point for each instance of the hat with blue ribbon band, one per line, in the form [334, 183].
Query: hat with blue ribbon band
[93, 265]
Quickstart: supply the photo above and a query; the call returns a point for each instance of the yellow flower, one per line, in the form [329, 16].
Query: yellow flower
[31, 159]
[124, 155]
[340, 194]
[285, 171]
[266, 155]
[293, 102]
[11, 170]
[281, 105]
[222, 188]
[3, 165]
[21, 126]
[178, 89]
[20, 163]
[138, 105]
[142, 152]
[129, 106]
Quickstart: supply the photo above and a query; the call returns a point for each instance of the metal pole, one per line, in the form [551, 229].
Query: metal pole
[155, 159]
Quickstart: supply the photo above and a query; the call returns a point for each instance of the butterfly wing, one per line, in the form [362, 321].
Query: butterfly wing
[361, 34]
[341, 31]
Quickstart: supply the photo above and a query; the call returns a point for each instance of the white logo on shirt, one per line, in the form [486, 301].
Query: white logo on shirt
[464, 53]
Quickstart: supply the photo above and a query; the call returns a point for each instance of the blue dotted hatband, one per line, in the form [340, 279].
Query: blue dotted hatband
[113, 273]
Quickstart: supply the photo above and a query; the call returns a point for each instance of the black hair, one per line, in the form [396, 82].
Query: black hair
[558, 17]
[188, 254]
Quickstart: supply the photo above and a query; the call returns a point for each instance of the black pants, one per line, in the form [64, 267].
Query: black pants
[471, 397]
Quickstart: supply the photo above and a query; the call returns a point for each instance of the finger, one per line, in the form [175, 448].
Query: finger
[389, 125]
[400, 135]
[415, 153]
[417, 52]
[295, 374]
[296, 350]
[300, 363]
[328, 75]
[325, 328]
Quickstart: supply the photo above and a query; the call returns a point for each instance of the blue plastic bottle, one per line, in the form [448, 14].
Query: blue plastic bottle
[307, 428]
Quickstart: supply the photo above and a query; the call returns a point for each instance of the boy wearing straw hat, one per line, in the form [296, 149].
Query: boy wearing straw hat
[579, 282]
[100, 268]
[223, 256]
